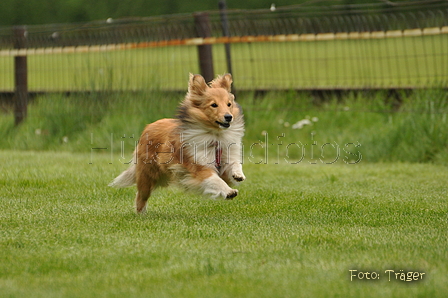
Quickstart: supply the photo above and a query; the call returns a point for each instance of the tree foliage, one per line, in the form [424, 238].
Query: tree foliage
[29, 12]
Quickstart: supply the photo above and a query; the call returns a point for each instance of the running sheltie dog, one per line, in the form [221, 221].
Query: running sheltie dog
[200, 149]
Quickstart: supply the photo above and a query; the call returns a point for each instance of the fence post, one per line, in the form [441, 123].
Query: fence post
[225, 32]
[203, 29]
[20, 76]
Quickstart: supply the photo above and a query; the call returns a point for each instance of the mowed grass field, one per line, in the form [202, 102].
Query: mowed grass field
[390, 62]
[293, 231]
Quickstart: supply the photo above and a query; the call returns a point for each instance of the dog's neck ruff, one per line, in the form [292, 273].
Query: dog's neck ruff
[210, 147]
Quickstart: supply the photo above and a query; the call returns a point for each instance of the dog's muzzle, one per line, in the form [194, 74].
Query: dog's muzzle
[227, 119]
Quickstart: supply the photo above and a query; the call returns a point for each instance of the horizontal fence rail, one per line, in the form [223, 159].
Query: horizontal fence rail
[364, 46]
[224, 40]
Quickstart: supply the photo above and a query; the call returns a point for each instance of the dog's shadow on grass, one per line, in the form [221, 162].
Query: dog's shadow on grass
[174, 205]
[182, 217]
[198, 214]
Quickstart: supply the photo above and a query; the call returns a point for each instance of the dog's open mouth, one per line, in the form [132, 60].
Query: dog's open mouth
[224, 125]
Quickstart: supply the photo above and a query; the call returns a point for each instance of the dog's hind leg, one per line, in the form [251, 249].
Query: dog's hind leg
[208, 183]
[144, 188]
[215, 187]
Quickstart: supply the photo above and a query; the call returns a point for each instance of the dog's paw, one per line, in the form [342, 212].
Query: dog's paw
[233, 193]
[239, 177]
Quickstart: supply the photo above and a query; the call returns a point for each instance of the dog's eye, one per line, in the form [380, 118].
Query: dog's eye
[229, 104]
[214, 105]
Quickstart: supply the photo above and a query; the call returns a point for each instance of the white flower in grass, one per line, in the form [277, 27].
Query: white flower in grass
[38, 131]
[65, 139]
[300, 124]
[314, 119]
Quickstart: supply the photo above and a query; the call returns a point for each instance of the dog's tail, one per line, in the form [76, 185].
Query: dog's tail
[127, 178]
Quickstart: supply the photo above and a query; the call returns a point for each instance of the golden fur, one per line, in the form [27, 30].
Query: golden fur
[200, 149]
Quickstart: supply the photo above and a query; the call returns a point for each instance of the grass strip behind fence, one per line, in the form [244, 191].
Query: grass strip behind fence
[281, 128]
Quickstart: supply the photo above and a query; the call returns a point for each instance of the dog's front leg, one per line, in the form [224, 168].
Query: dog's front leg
[233, 168]
[237, 172]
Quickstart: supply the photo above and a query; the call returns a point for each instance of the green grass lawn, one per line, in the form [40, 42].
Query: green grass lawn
[293, 231]
[390, 62]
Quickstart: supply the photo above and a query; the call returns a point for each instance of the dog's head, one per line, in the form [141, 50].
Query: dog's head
[212, 105]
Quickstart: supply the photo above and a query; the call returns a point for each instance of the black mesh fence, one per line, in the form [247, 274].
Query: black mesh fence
[298, 47]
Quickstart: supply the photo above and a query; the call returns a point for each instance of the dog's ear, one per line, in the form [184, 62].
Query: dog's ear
[224, 81]
[197, 85]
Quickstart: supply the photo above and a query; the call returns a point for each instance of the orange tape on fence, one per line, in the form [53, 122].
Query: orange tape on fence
[223, 40]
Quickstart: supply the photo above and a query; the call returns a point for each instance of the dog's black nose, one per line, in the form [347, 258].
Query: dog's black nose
[228, 117]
